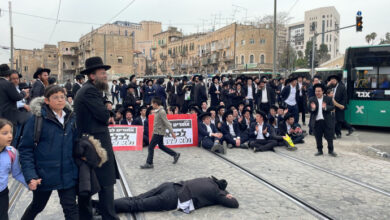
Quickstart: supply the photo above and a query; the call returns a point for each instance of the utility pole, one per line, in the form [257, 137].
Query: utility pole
[313, 53]
[12, 36]
[274, 59]
[105, 49]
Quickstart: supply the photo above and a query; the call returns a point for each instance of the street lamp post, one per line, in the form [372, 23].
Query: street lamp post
[274, 58]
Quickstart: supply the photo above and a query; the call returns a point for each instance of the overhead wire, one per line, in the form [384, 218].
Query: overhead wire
[55, 25]
[120, 12]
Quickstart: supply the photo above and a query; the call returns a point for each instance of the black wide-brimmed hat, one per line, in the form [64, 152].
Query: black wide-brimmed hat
[94, 63]
[288, 115]
[215, 77]
[319, 85]
[204, 114]
[262, 114]
[148, 80]
[40, 71]
[226, 114]
[334, 76]
[132, 77]
[220, 107]
[4, 70]
[211, 108]
[195, 108]
[222, 183]
[24, 86]
[80, 77]
[245, 111]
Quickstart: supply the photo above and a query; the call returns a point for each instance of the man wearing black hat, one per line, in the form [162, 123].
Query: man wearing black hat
[339, 100]
[320, 108]
[9, 96]
[209, 136]
[215, 91]
[142, 119]
[250, 92]
[290, 95]
[302, 98]
[130, 100]
[289, 127]
[200, 94]
[185, 196]
[231, 131]
[265, 97]
[92, 118]
[160, 91]
[115, 91]
[260, 134]
[133, 83]
[79, 83]
[42, 80]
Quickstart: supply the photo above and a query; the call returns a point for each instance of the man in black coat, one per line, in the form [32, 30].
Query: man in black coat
[260, 137]
[142, 119]
[79, 83]
[200, 92]
[185, 195]
[9, 96]
[215, 92]
[92, 118]
[340, 97]
[42, 77]
[320, 107]
[231, 132]
[290, 94]
[302, 98]
[264, 103]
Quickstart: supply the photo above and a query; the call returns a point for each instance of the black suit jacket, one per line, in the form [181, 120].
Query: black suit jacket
[286, 93]
[204, 192]
[325, 112]
[270, 96]
[214, 97]
[253, 134]
[75, 89]
[37, 90]
[92, 118]
[226, 133]
[202, 130]
[8, 98]
[341, 98]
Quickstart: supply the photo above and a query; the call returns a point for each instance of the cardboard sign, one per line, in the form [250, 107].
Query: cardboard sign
[185, 126]
[126, 137]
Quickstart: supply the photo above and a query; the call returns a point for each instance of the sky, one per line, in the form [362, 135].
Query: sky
[190, 16]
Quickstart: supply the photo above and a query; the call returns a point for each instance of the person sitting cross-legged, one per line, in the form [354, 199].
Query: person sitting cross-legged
[288, 126]
[231, 131]
[209, 136]
[261, 139]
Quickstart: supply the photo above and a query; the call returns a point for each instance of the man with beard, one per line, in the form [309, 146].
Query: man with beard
[92, 118]
[42, 80]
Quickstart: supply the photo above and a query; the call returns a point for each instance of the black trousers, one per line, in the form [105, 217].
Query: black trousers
[302, 108]
[340, 124]
[321, 130]
[263, 145]
[4, 201]
[40, 199]
[106, 204]
[158, 139]
[162, 198]
[115, 96]
[264, 107]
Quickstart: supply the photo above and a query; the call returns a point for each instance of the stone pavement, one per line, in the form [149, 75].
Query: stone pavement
[337, 197]
[256, 200]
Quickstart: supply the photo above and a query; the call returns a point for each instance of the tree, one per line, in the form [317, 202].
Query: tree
[288, 57]
[385, 40]
[323, 54]
[371, 38]
[300, 54]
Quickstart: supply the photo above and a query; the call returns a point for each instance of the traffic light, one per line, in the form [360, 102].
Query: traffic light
[359, 23]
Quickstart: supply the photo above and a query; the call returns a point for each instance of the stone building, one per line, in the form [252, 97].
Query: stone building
[67, 60]
[235, 47]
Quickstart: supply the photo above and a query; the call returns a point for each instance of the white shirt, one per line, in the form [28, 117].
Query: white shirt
[264, 97]
[335, 89]
[259, 135]
[247, 122]
[20, 103]
[231, 129]
[212, 121]
[216, 86]
[320, 116]
[300, 89]
[187, 206]
[143, 120]
[175, 90]
[291, 98]
[209, 130]
[288, 127]
[62, 118]
[250, 94]
[129, 122]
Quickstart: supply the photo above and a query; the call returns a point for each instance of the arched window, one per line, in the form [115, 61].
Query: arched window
[262, 59]
[242, 59]
[251, 59]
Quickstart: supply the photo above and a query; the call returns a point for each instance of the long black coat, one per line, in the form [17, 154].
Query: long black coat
[204, 192]
[37, 90]
[326, 113]
[270, 96]
[75, 89]
[92, 118]
[341, 98]
[215, 97]
[8, 98]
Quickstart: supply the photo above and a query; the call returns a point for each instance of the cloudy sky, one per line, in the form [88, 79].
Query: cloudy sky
[189, 15]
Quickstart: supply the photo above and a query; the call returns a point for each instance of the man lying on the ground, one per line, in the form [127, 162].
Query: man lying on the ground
[185, 196]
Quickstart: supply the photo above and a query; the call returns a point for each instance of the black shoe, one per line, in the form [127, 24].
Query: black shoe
[146, 166]
[351, 131]
[176, 158]
[334, 137]
[339, 136]
[244, 146]
[333, 154]
[304, 123]
[319, 153]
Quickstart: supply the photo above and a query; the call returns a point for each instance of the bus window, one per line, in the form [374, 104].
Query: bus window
[384, 77]
[366, 78]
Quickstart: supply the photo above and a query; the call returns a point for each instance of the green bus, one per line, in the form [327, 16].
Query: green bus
[324, 73]
[367, 69]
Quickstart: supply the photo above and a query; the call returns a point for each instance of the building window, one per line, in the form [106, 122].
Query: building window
[262, 41]
[262, 58]
[66, 49]
[120, 59]
[242, 42]
[25, 68]
[242, 59]
[63, 65]
[49, 55]
[72, 63]
[330, 38]
[251, 59]
[252, 41]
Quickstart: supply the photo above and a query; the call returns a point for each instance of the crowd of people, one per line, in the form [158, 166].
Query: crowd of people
[62, 136]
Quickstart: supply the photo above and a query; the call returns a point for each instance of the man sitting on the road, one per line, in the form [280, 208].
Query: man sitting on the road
[209, 136]
[261, 139]
[185, 196]
[288, 126]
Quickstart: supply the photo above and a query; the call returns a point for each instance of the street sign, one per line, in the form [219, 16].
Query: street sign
[359, 13]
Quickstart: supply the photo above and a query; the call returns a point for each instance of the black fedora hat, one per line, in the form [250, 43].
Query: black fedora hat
[79, 77]
[40, 71]
[288, 115]
[334, 76]
[262, 114]
[15, 71]
[4, 70]
[319, 85]
[94, 63]
[24, 86]
[204, 114]
[226, 114]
